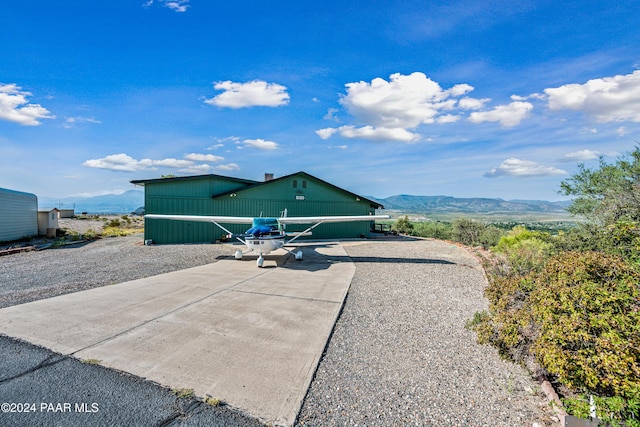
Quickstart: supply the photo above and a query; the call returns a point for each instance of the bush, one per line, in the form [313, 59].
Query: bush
[474, 233]
[621, 238]
[467, 232]
[434, 230]
[578, 319]
[508, 324]
[524, 250]
[403, 225]
[490, 236]
[587, 306]
[114, 223]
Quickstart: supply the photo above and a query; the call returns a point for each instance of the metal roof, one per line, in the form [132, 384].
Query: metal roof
[142, 182]
[254, 184]
[373, 203]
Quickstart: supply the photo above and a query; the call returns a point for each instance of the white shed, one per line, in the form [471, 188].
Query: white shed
[48, 222]
[18, 215]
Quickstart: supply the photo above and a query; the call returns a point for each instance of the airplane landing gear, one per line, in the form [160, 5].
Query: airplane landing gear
[260, 261]
[298, 255]
[238, 254]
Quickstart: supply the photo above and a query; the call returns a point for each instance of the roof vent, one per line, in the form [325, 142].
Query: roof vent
[268, 177]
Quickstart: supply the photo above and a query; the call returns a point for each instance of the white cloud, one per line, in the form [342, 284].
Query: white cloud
[621, 131]
[523, 168]
[467, 103]
[609, 99]
[526, 98]
[196, 169]
[580, 155]
[251, 94]
[228, 167]
[203, 157]
[402, 102]
[331, 115]
[392, 110]
[15, 107]
[260, 143]
[326, 133]
[370, 133]
[170, 163]
[176, 5]
[447, 118]
[215, 146]
[125, 163]
[71, 122]
[508, 115]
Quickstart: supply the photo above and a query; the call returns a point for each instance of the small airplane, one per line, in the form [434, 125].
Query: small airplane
[267, 234]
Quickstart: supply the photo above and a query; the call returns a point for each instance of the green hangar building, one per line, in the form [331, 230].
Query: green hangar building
[300, 194]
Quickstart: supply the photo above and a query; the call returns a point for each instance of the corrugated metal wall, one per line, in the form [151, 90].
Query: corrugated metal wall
[300, 195]
[18, 215]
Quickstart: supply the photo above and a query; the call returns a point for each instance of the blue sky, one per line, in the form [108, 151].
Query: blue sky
[464, 98]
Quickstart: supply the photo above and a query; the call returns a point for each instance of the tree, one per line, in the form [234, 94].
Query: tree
[403, 225]
[467, 231]
[609, 194]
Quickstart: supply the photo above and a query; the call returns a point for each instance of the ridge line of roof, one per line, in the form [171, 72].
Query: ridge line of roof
[260, 183]
[181, 178]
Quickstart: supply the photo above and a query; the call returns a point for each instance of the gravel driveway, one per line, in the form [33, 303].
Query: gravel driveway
[399, 355]
[30, 276]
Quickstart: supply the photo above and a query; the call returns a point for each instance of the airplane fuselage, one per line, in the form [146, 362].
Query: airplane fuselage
[265, 244]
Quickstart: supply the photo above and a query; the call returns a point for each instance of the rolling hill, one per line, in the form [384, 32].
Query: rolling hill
[444, 204]
[108, 204]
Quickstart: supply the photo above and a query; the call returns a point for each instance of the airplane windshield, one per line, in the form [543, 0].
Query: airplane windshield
[263, 226]
[272, 222]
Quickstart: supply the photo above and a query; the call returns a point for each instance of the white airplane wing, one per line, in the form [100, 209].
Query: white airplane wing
[282, 220]
[324, 219]
[204, 218]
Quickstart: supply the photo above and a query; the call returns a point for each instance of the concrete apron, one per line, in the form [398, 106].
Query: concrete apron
[248, 336]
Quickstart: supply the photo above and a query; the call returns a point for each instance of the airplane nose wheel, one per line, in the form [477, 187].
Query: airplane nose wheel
[260, 261]
[238, 255]
[299, 255]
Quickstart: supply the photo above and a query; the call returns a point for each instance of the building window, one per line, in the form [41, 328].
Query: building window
[304, 183]
[295, 183]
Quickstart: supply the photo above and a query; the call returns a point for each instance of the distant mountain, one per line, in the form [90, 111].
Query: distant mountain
[108, 204]
[433, 204]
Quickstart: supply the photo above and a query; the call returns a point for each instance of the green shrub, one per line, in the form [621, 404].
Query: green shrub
[467, 231]
[518, 234]
[524, 250]
[620, 238]
[434, 230]
[578, 319]
[114, 223]
[403, 225]
[474, 233]
[90, 234]
[614, 411]
[508, 325]
[587, 306]
[490, 236]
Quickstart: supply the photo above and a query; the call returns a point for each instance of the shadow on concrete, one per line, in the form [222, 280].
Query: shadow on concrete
[315, 261]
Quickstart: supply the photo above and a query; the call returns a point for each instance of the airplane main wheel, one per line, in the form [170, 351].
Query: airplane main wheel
[299, 255]
[238, 255]
[260, 261]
